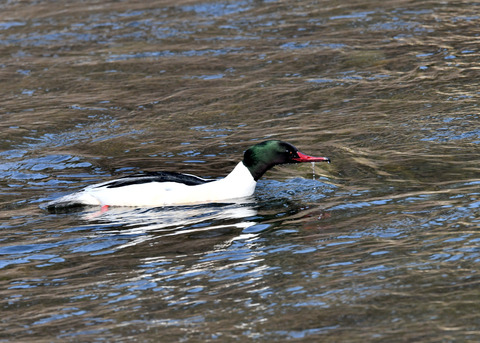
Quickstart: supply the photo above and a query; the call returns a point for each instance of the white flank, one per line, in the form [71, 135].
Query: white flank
[238, 184]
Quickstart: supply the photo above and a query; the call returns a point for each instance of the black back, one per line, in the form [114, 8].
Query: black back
[135, 179]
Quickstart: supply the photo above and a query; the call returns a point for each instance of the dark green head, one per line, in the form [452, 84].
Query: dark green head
[263, 156]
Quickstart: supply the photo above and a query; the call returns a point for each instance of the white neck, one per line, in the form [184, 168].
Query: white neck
[239, 182]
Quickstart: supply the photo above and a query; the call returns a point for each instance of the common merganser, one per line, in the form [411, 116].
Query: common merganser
[155, 189]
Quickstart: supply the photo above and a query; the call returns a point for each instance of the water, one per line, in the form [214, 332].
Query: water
[380, 245]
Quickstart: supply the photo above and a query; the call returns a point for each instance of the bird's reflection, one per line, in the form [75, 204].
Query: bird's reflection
[144, 224]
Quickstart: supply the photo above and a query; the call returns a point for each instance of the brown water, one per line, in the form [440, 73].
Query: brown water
[382, 245]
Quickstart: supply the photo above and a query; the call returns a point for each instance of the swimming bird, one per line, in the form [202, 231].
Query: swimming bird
[155, 189]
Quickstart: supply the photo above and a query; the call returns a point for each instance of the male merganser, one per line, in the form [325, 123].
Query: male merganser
[170, 189]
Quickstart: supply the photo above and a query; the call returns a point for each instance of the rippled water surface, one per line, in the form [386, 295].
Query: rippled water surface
[382, 245]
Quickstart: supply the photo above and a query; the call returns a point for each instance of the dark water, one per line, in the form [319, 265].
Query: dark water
[382, 245]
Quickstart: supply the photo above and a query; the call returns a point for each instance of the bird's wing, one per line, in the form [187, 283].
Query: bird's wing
[139, 178]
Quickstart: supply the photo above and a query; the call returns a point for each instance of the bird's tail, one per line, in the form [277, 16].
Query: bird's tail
[72, 202]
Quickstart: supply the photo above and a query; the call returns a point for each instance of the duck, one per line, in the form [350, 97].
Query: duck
[158, 189]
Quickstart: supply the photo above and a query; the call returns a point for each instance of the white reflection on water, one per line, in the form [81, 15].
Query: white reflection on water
[147, 224]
